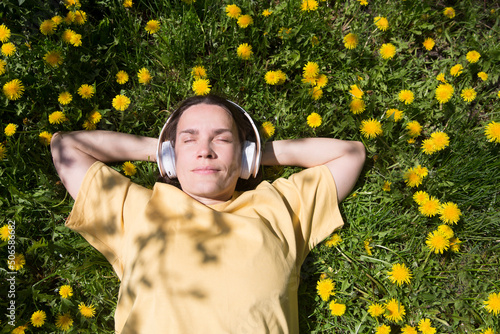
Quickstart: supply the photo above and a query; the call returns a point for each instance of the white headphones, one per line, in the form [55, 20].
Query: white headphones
[250, 155]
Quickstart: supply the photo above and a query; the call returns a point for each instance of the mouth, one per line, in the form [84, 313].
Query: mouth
[205, 170]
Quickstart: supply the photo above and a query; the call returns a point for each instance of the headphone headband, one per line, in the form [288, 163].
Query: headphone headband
[251, 160]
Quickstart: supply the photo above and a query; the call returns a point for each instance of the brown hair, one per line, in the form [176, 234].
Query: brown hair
[245, 132]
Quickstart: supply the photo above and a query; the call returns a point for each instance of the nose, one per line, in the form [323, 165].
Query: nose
[205, 150]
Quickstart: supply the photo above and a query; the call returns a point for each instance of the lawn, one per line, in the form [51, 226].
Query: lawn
[416, 81]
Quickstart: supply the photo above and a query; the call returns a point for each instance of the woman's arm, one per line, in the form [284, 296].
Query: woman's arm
[345, 159]
[74, 152]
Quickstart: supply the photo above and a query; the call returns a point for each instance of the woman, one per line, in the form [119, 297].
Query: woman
[204, 256]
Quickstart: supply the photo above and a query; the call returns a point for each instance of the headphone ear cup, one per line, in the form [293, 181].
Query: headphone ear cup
[168, 159]
[247, 159]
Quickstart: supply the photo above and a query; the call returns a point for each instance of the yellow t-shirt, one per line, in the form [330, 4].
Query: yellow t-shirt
[190, 268]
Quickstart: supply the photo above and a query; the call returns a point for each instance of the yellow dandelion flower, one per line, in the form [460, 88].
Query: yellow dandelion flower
[86, 311]
[128, 3]
[121, 102]
[57, 117]
[86, 91]
[268, 129]
[64, 321]
[437, 242]
[488, 330]
[440, 139]
[428, 43]
[272, 78]
[406, 96]
[152, 26]
[383, 329]
[10, 129]
[316, 93]
[5, 231]
[414, 128]
[3, 153]
[449, 213]
[428, 146]
[371, 128]
[400, 274]
[483, 76]
[245, 20]
[411, 141]
[57, 20]
[13, 89]
[198, 72]
[8, 49]
[3, 64]
[387, 186]
[4, 33]
[492, 305]
[121, 77]
[425, 326]
[310, 81]
[368, 248]
[334, 240]
[456, 70]
[408, 330]
[17, 263]
[266, 12]
[337, 309]
[473, 56]
[38, 318]
[72, 3]
[398, 114]
[201, 86]
[88, 125]
[244, 51]
[324, 288]
[444, 92]
[381, 23]
[48, 27]
[350, 41]
[420, 197]
[45, 138]
[70, 18]
[430, 207]
[446, 231]
[309, 5]
[356, 91]
[20, 329]
[80, 17]
[394, 310]
[449, 12]
[65, 98]
[129, 168]
[440, 77]
[387, 51]
[310, 70]
[76, 40]
[53, 58]
[421, 171]
[376, 310]
[357, 106]
[492, 132]
[67, 35]
[233, 11]
[144, 76]
[66, 291]
[363, 2]
[321, 81]
[468, 94]
[412, 179]
[314, 120]
[94, 117]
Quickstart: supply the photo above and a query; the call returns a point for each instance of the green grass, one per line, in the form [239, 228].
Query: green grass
[449, 288]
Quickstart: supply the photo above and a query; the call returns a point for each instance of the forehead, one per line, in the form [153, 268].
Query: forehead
[203, 115]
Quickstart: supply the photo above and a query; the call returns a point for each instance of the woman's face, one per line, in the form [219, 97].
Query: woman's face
[207, 153]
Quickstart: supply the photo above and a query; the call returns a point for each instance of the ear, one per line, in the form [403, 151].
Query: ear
[166, 160]
[247, 160]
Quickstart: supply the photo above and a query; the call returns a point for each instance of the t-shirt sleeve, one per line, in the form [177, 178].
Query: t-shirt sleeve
[311, 196]
[98, 212]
